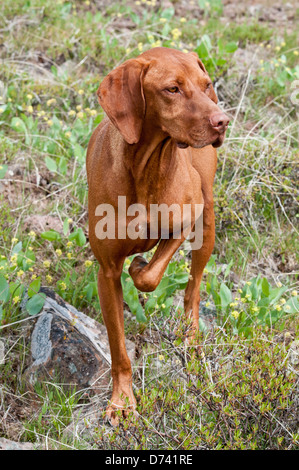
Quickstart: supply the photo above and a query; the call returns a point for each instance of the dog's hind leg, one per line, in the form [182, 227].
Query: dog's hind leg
[200, 257]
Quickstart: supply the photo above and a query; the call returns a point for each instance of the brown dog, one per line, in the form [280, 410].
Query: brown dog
[157, 146]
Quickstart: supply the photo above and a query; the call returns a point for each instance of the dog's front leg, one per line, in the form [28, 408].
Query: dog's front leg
[111, 300]
[147, 276]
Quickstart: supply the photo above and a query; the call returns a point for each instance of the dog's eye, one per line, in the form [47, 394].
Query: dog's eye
[209, 85]
[173, 89]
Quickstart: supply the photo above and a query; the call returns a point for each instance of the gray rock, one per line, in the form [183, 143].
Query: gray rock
[6, 444]
[69, 347]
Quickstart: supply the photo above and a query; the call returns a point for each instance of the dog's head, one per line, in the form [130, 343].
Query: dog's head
[171, 90]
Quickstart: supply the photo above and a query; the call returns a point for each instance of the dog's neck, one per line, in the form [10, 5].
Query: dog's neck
[155, 149]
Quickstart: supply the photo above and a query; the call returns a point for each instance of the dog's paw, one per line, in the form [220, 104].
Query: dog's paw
[115, 414]
[137, 265]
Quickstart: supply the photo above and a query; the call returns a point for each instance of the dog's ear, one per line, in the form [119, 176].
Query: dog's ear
[121, 96]
[199, 62]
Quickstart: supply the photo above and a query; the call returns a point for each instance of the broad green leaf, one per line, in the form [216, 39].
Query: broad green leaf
[81, 239]
[66, 226]
[140, 317]
[225, 295]
[265, 287]
[231, 47]
[17, 248]
[51, 235]
[51, 164]
[80, 152]
[18, 125]
[34, 287]
[292, 305]
[78, 236]
[35, 304]
[4, 289]
[168, 13]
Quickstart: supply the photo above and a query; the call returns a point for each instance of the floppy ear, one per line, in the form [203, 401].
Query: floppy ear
[121, 96]
[199, 62]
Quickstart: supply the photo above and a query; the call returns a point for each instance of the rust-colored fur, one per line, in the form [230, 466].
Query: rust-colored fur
[156, 146]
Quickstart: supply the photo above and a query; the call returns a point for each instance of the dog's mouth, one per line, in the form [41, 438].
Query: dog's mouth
[216, 143]
[219, 141]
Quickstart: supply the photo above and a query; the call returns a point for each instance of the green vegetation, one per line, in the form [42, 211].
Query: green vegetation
[240, 393]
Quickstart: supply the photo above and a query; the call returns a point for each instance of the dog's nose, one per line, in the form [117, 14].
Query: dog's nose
[219, 122]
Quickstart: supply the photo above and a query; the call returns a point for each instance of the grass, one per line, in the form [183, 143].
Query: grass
[53, 56]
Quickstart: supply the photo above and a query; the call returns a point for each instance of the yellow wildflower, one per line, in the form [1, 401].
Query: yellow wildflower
[296, 53]
[80, 115]
[88, 263]
[176, 33]
[69, 255]
[34, 276]
[16, 299]
[58, 252]
[14, 240]
[50, 123]
[47, 263]
[161, 357]
[80, 92]
[29, 96]
[294, 293]
[72, 112]
[30, 109]
[68, 134]
[49, 278]
[235, 314]
[62, 285]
